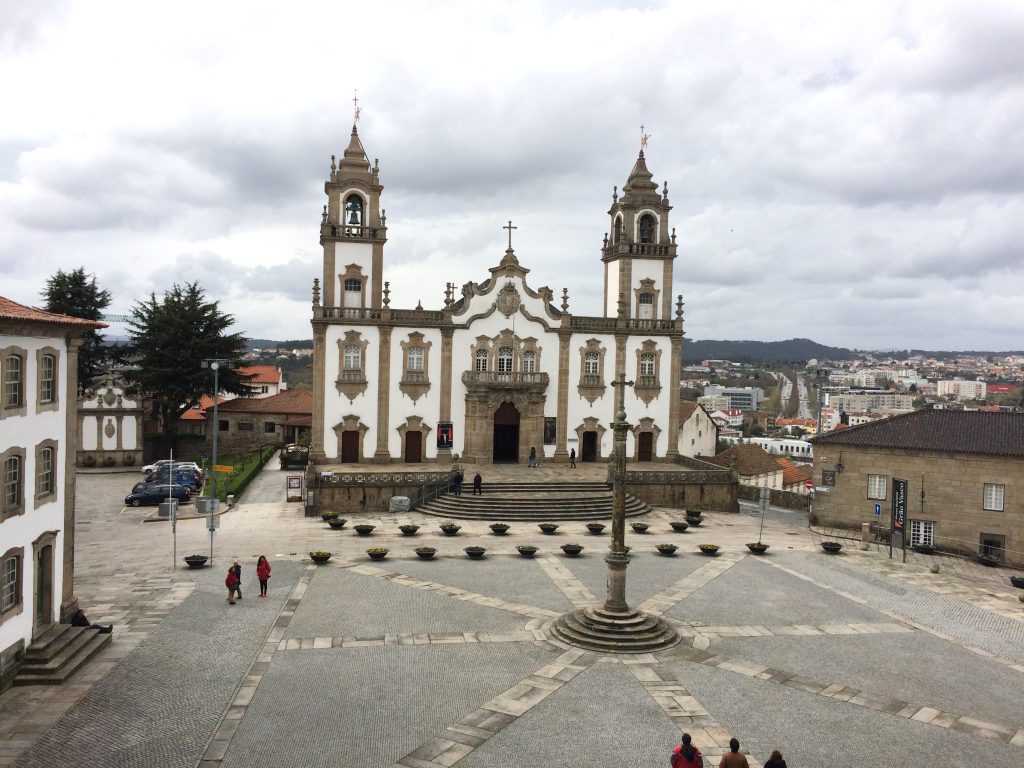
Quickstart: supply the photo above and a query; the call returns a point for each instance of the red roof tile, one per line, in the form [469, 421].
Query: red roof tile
[264, 374]
[12, 310]
[751, 459]
[292, 401]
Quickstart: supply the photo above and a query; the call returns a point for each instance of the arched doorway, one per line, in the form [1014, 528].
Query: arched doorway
[506, 434]
[589, 451]
[42, 614]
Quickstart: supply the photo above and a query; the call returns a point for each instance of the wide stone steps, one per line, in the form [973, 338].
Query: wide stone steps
[597, 629]
[534, 502]
[58, 653]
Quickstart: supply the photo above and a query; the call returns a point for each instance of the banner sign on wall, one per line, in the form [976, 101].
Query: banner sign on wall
[899, 514]
[444, 434]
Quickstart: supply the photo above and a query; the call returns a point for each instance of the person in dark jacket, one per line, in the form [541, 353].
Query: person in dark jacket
[533, 457]
[734, 758]
[572, 458]
[81, 620]
[478, 485]
[775, 761]
[263, 574]
[237, 570]
[458, 478]
[686, 755]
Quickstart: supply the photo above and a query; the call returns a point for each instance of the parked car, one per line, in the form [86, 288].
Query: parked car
[146, 494]
[158, 465]
[182, 476]
[294, 457]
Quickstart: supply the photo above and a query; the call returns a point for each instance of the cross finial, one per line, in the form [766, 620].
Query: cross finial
[356, 109]
[509, 227]
[643, 138]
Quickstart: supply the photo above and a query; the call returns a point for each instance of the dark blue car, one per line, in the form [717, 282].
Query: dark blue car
[144, 494]
[181, 476]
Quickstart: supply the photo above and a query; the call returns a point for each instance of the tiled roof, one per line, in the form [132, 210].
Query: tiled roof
[750, 459]
[292, 401]
[978, 432]
[199, 414]
[264, 374]
[12, 310]
[793, 474]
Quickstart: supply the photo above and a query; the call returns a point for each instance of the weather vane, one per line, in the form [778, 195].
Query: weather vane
[355, 105]
[643, 138]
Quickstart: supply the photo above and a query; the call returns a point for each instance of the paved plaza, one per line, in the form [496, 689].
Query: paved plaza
[835, 660]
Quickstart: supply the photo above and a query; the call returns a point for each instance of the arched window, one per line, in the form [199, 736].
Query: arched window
[415, 362]
[647, 364]
[354, 211]
[529, 362]
[647, 227]
[617, 230]
[481, 360]
[591, 362]
[12, 382]
[352, 357]
[47, 379]
[505, 360]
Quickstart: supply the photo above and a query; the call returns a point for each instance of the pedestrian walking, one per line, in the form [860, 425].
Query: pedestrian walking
[572, 458]
[460, 476]
[734, 758]
[775, 761]
[237, 570]
[231, 582]
[686, 755]
[533, 457]
[478, 484]
[263, 574]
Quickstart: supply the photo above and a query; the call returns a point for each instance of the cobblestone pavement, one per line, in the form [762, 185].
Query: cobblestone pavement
[420, 664]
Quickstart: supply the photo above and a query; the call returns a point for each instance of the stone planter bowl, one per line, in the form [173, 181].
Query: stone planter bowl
[499, 529]
[425, 553]
[669, 550]
[363, 529]
[474, 553]
[595, 528]
[408, 529]
[832, 547]
[679, 526]
[337, 523]
[709, 549]
[320, 559]
[639, 527]
[196, 561]
[1017, 581]
[548, 528]
[757, 547]
[527, 550]
[377, 553]
[450, 529]
[572, 550]
[694, 520]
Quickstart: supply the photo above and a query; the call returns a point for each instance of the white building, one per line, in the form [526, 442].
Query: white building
[963, 390]
[38, 422]
[698, 433]
[502, 367]
[109, 426]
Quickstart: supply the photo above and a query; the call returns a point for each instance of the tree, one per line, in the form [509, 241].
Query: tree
[76, 294]
[170, 340]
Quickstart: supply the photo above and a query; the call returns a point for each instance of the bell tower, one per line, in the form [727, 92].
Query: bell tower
[639, 251]
[353, 231]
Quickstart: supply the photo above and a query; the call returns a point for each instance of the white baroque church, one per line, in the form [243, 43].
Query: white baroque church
[502, 367]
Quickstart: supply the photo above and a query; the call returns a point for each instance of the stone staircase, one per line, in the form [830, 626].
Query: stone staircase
[58, 653]
[535, 502]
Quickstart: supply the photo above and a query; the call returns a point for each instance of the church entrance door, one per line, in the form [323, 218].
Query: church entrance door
[645, 447]
[506, 434]
[350, 446]
[413, 447]
[589, 452]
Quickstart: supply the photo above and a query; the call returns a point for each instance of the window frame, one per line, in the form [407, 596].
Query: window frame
[528, 361]
[47, 402]
[872, 493]
[505, 359]
[12, 563]
[10, 509]
[480, 361]
[18, 407]
[46, 490]
[922, 533]
[985, 503]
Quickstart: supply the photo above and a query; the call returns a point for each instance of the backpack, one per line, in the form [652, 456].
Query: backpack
[231, 580]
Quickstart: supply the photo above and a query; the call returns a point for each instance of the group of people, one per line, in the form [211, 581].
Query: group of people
[687, 755]
[233, 581]
[459, 477]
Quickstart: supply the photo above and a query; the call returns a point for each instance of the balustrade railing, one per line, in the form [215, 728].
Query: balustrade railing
[495, 377]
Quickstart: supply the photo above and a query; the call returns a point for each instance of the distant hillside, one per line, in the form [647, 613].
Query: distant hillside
[789, 351]
[271, 344]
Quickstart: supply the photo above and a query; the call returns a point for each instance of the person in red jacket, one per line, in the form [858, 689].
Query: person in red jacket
[686, 755]
[231, 582]
[263, 574]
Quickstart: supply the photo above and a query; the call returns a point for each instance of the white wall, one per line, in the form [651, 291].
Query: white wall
[336, 404]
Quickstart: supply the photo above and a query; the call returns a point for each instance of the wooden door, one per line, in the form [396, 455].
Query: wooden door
[645, 447]
[413, 447]
[44, 589]
[350, 446]
[589, 450]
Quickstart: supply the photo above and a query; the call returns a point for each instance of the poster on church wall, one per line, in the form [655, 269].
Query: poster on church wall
[550, 429]
[444, 435]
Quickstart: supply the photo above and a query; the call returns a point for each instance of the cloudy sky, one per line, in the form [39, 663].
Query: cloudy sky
[848, 172]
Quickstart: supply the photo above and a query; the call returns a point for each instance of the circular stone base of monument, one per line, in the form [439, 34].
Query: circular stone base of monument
[598, 629]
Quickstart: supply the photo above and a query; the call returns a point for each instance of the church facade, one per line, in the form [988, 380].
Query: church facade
[502, 367]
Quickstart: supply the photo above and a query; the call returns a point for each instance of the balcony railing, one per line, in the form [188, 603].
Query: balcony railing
[504, 379]
[610, 324]
[647, 382]
[591, 380]
[350, 230]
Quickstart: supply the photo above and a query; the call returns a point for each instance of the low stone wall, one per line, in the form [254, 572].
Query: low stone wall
[712, 489]
[371, 492]
[787, 499]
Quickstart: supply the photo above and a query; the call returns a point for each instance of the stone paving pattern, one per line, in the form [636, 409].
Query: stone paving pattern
[834, 660]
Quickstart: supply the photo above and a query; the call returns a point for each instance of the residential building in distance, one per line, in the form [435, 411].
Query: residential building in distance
[754, 465]
[698, 433]
[268, 380]
[969, 464]
[744, 398]
[872, 401]
[962, 390]
[38, 442]
[794, 448]
[796, 478]
[249, 422]
[712, 403]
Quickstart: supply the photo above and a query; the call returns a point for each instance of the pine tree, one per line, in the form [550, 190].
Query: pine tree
[76, 294]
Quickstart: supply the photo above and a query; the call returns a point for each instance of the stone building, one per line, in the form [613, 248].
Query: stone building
[38, 440]
[500, 367]
[965, 475]
[109, 425]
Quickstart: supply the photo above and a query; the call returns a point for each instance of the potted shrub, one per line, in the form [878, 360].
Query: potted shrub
[694, 519]
[990, 560]
[548, 528]
[709, 549]
[319, 556]
[196, 561]
[595, 528]
[572, 550]
[924, 549]
[450, 529]
[377, 553]
[527, 550]
[328, 516]
[639, 527]
[425, 553]
[1017, 581]
[757, 547]
[668, 550]
[363, 529]
[474, 553]
[500, 529]
[832, 547]
[679, 526]
[337, 523]
[408, 529]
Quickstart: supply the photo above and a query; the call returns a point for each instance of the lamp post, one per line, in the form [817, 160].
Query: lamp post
[615, 627]
[214, 365]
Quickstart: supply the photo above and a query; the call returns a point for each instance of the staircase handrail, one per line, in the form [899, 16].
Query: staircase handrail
[431, 490]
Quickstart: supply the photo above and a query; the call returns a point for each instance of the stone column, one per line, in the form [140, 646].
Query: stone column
[316, 447]
[445, 413]
[561, 427]
[69, 602]
[675, 362]
[382, 455]
[616, 557]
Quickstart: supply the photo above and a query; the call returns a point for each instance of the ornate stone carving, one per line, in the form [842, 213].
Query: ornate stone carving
[108, 428]
[508, 299]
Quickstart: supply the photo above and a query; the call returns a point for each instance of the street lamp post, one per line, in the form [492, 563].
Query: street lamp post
[214, 365]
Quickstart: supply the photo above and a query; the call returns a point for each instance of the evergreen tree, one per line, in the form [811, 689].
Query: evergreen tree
[76, 294]
[171, 338]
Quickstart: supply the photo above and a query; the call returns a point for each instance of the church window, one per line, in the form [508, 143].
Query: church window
[647, 364]
[648, 361]
[481, 360]
[415, 359]
[647, 226]
[529, 362]
[505, 360]
[617, 231]
[592, 385]
[354, 285]
[352, 357]
[646, 306]
[591, 363]
[354, 211]
[415, 362]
